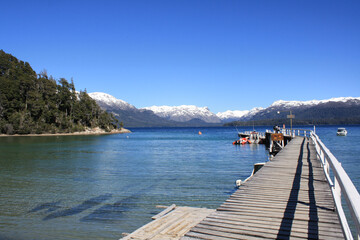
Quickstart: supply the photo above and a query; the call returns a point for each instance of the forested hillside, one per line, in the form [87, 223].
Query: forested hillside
[37, 103]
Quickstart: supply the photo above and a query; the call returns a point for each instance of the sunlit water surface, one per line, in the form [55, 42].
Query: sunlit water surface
[97, 187]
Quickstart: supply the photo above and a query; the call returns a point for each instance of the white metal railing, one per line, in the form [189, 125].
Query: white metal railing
[340, 185]
[296, 132]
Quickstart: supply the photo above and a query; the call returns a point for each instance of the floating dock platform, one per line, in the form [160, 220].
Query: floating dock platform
[170, 224]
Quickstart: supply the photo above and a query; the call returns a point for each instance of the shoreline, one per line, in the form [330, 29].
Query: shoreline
[95, 131]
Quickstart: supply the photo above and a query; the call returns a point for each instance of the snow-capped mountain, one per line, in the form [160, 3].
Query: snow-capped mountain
[334, 110]
[127, 113]
[182, 116]
[289, 104]
[185, 113]
[342, 110]
[229, 115]
[233, 115]
[108, 101]
[328, 110]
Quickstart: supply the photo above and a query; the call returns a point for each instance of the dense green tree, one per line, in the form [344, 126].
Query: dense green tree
[36, 103]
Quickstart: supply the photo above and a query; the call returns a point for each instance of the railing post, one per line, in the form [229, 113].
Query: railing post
[322, 157]
[327, 167]
[337, 189]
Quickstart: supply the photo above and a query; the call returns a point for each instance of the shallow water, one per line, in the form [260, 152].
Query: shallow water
[97, 187]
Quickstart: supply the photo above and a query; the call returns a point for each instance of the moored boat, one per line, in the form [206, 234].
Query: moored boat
[241, 141]
[250, 137]
[341, 132]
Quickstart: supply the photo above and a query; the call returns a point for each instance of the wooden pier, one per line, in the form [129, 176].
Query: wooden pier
[290, 197]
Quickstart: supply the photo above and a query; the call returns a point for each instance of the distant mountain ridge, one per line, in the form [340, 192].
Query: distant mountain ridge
[289, 104]
[334, 110]
[143, 117]
[229, 115]
[342, 110]
[108, 101]
[185, 113]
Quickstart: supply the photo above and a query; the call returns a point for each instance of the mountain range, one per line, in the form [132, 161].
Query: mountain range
[144, 117]
[342, 110]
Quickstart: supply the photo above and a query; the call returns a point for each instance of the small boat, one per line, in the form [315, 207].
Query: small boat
[250, 137]
[341, 132]
[241, 141]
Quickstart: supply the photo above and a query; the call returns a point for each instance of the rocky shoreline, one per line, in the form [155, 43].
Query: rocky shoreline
[88, 131]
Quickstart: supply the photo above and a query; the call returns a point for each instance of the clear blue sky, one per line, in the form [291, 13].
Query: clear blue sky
[227, 55]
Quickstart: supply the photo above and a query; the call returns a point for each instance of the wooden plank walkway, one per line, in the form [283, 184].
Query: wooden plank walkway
[288, 198]
[170, 224]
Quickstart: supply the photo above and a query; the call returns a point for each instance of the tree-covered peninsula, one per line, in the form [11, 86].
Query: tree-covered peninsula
[32, 103]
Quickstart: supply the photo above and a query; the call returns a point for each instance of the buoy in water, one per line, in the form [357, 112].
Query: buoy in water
[200, 133]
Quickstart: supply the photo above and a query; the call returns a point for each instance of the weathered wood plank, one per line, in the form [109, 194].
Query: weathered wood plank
[299, 230]
[264, 231]
[284, 215]
[274, 223]
[206, 236]
[172, 225]
[166, 211]
[278, 199]
[227, 234]
[277, 206]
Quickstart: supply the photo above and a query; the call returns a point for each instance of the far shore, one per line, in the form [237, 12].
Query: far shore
[95, 131]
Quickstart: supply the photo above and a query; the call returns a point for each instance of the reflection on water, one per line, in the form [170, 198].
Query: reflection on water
[49, 207]
[92, 202]
[115, 211]
[96, 187]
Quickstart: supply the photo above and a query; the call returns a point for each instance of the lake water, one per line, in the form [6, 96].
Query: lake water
[97, 187]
